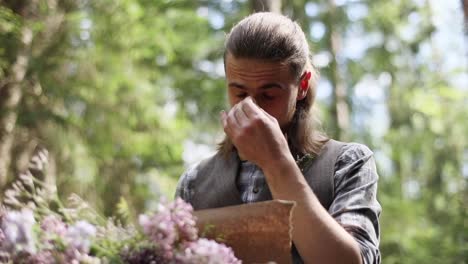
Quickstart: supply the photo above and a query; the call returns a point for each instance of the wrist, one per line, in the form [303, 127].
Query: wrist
[278, 163]
[285, 179]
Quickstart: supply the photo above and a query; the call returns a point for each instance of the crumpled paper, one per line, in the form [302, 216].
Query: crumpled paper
[257, 232]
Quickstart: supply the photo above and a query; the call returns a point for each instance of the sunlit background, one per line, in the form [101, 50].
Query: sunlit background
[125, 95]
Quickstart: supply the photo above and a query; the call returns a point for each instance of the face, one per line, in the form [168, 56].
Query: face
[271, 85]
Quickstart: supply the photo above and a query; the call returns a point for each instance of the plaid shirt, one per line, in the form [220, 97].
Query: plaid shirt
[355, 205]
[250, 182]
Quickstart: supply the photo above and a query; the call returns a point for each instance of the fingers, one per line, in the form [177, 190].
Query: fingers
[239, 114]
[242, 114]
[249, 107]
[253, 111]
[233, 120]
[226, 127]
[223, 117]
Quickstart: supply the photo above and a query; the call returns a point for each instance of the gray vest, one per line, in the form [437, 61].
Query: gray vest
[215, 183]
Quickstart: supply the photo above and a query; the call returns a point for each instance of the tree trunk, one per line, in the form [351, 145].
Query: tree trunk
[10, 96]
[266, 6]
[339, 107]
[465, 11]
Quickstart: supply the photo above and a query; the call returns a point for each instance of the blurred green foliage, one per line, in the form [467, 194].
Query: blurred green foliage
[114, 88]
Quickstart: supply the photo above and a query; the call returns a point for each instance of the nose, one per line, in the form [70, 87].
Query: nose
[251, 98]
[259, 100]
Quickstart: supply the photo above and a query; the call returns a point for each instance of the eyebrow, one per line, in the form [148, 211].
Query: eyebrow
[263, 87]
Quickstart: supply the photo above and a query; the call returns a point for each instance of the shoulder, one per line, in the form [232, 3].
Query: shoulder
[353, 152]
[206, 165]
[190, 175]
[192, 172]
[341, 155]
[355, 165]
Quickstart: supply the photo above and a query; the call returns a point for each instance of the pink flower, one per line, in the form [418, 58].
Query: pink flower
[170, 223]
[53, 224]
[2, 237]
[182, 215]
[206, 251]
[43, 257]
[160, 229]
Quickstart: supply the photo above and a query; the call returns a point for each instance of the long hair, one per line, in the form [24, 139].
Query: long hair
[275, 38]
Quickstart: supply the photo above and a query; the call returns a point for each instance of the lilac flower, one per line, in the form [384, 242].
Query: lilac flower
[53, 231]
[170, 237]
[182, 215]
[42, 257]
[78, 236]
[137, 255]
[171, 223]
[17, 229]
[4, 256]
[206, 251]
[73, 256]
[160, 229]
[54, 225]
[2, 237]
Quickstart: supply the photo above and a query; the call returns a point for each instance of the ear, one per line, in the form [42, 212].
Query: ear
[303, 85]
[302, 92]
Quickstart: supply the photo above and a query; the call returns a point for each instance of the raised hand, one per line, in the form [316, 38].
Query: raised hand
[256, 134]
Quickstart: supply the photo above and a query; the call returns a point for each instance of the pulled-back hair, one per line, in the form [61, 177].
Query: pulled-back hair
[275, 38]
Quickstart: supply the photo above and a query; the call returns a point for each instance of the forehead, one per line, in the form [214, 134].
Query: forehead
[256, 70]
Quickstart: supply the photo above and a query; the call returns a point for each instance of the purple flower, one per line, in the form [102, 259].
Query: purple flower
[43, 257]
[73, 256]
[54, 225]
[17, 227]
[206, 251]
[137, 255]
[160, 229]
[53, 230]
[78, 236]
[171, 223]
[170, 231]
[2, 237]
[182, 215]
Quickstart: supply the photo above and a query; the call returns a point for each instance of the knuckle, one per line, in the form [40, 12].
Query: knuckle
[257, 120]
[248, 130]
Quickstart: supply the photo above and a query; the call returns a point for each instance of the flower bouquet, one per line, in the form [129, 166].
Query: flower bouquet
[35, 227]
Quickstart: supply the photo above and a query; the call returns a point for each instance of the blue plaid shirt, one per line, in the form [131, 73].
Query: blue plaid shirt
[355, 206]
[250, 182]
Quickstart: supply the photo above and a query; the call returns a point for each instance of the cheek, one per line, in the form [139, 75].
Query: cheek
[288, 107]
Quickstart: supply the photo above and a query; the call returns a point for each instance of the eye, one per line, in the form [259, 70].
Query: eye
[241, 95]
[267, 96]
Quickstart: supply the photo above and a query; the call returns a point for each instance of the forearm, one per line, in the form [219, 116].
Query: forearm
[316, 235]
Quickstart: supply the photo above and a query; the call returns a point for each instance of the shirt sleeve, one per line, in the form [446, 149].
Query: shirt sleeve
[355, 206]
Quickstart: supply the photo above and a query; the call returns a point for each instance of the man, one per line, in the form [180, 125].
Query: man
[271, 89]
